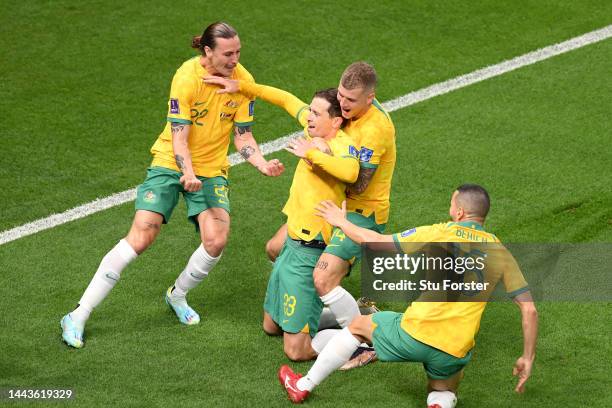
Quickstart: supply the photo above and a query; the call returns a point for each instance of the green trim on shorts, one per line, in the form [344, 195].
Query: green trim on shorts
[345, 248]
[392, 343]
[291, 298]
[160, 193]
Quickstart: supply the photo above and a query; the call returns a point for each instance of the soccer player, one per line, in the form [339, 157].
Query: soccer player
[292, 307]
[438, 334]
[368, 198]
[189, 158]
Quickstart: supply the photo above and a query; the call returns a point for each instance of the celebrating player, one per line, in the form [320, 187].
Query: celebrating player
[438, 334]
[190, 158]
[292, 306]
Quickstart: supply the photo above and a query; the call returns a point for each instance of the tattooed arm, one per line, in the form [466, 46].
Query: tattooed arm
[363, 180]
[248, 149]
[182, 155]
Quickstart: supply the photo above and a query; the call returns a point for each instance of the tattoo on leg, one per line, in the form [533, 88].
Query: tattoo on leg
[180, 162]
[246, 152]
[322, 265]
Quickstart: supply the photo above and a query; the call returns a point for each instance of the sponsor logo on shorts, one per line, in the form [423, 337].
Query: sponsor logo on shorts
[251, 108]
[408, 232]
[149, 197]
[365, 154]
[174, 106]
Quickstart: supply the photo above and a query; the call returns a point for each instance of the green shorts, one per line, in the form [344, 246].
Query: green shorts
[160, 193]
[392, 343]
[291, 298]
[342, 246]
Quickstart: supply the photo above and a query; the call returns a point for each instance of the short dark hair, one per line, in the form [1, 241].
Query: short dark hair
[359, 74]
[474, 199]
[209, 37]
[331, 96]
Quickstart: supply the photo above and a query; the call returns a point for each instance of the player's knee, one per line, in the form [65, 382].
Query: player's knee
[296, 353]
[142, 235]
[214, 245]
[322, 282]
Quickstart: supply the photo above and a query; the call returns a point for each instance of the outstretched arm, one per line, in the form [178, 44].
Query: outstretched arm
[522, 367]
[337, 217]
[247, 147]
[289, 102]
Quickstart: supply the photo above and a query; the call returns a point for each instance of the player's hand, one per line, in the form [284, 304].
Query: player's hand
[522, 369]
[272, 168]
[300, 146]
[227, 85]
[331, 213]
[190, 183]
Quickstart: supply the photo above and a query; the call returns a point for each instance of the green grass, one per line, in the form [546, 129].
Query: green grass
[537, 138]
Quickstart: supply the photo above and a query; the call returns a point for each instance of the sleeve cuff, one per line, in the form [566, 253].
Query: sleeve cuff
[181, 121]
[368, 165]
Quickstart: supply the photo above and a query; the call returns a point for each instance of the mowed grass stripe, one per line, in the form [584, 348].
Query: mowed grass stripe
[278, 144]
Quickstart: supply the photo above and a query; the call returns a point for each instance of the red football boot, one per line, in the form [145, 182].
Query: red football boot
[288, 380]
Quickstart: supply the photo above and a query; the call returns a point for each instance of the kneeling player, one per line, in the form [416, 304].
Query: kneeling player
[438, 334]
[292, 306]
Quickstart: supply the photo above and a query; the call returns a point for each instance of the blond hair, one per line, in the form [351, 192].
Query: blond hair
[359, 75]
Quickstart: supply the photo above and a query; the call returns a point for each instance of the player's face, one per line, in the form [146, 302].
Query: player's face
[354, 102]
[225, 56]
[320, 124]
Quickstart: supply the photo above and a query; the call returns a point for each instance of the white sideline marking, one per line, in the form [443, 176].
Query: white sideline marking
[278, 144]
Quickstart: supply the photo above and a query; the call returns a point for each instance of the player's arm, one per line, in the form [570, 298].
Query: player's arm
[182, 155]
[344, 168]
[247, 147]
[529, 317]
[363, 180]
[289, 102]
[337, 217]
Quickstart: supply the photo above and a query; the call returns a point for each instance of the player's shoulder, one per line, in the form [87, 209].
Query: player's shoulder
[189, 72]
[342, 144]
[378, 122]
[241, 73]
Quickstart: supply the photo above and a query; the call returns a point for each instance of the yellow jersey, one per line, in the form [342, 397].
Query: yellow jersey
[320, 177]
[452, 326]
[374, 136]
[212, 118]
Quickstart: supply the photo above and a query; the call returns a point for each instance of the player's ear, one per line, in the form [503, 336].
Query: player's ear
[371, 96]
[337, 122]
[208, 51]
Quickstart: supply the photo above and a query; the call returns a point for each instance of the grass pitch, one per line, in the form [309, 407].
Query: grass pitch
[84, 97]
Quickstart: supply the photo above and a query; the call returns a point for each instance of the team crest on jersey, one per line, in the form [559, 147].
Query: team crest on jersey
[174, 106]
[365, 154]
[225, 115]
[353, 151]
[408, 232]
[149, 197]
[231, 104]
[251, 108]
